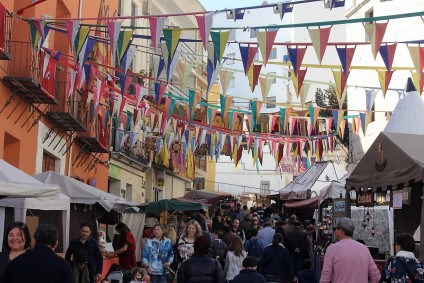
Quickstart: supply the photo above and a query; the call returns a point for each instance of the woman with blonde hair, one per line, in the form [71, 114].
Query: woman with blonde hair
[235, 257]
[171, 235]
[185, 244]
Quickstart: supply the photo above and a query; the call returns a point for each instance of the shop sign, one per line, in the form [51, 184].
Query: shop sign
[397, 199]
[365, 199]
[339, 206]
[406, 198]
[114, 171]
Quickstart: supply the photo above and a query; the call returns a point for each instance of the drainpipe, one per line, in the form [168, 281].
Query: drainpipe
[79, 8]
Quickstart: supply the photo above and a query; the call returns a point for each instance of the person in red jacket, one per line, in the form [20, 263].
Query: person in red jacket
[126, 247]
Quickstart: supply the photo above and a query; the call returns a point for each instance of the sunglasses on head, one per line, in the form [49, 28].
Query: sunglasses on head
[18, 225]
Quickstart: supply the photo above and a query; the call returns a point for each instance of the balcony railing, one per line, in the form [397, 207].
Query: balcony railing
[66, 112]
[97, 136]
[138, 153]
[7, 29]
[24, 74]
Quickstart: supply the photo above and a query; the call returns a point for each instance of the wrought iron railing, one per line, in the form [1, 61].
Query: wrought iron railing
[24, 62]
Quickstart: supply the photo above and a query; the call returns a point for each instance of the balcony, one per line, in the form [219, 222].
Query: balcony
[139, 154]
[66, 112]
[6, 29]
[97, 137]
[24, 74]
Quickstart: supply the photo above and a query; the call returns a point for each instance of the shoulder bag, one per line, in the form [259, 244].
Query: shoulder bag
[169, 273]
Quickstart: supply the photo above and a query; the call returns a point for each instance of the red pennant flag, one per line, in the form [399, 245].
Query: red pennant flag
[346, 56]
[298, 80]
[384, 78]
[266, 40]
[375, 32]
[248, 53]
[48, 75]
[253, 75]
[319, 39]
[296, 57]
[387, 52]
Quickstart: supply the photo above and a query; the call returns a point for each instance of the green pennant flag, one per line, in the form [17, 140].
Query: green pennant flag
[91, 111]
[253, 105]
[283, 117]
[172, 37]
[34, 34]
[124, 40]
[219, 40]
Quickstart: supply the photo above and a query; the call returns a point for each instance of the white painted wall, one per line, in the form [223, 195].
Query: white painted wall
[397, 31]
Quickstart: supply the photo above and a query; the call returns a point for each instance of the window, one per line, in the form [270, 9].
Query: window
[11, 149]
[273, 75]
[133, 14]
[232, 83]
[271, 99]
[49, 163]
[230, 58]
[123, 194]
[265, 187]
[286, 59]
[373, 113]
[252, 33]
[273, 54]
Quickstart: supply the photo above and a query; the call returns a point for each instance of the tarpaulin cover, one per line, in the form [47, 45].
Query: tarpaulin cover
[167, 204]
[307, 203]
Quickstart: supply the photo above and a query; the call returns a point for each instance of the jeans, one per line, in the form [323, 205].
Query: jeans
[157, 279]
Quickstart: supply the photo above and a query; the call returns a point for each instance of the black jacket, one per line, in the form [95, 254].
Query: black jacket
[249, 275]
[299, 240]
[40, 265]
[202, 269]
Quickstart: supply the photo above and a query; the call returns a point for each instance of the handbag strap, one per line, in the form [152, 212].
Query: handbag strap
[160, 255]
[408, 271]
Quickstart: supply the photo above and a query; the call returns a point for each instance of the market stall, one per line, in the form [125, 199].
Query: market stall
[309, 183]
[163, 207]
[24, 195]
[202, 196]
[395, 162]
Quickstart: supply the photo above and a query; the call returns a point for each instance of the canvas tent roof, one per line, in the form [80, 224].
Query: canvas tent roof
[15, 183]
[393, 159]
[85, 194]
[172, 204]
[334, 189]
[408, 116]
[202, 196]
[313, 179]
[306, 203]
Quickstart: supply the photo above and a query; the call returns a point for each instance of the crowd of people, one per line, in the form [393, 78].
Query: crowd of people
[239, 245]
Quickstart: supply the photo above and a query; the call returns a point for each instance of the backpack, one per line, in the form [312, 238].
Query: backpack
[253, 248]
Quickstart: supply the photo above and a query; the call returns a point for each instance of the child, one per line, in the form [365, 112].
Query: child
[80, 268]
[137, 275]
[306, 275]
[248, 272]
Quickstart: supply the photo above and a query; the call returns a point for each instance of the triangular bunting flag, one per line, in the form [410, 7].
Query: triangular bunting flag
[370, 96]
[340, 79]
[375, 32]
[248, 53]
[211, 115]
[219, 40]
[265, 84]
[387, 52]
[319, 38]
[184, 70]
[417, 56]
[297, 79]
[159, 91]
[296, 57]
[225, 102]
[172, 38]
[253, 75]
[346, 56]
[156, 26]
[265, 41]
[193, 98]
[282, 8]
[384, 78]
[418, 81]
[204, 23]
[225, 78]
[124, 40]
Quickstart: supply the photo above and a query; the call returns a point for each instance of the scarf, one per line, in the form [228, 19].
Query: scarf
[405, 254]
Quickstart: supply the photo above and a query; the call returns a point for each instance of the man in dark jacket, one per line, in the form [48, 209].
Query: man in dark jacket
[299, 244]
[41, 264]
[91, 247]
[248, 272]
[200, 267]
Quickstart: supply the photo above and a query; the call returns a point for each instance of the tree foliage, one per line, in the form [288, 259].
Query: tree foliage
[327, 99]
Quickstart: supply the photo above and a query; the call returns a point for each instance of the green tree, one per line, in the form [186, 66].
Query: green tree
[327, 99]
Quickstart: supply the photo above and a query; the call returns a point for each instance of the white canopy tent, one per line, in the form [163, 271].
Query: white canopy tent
[83, 193]
[23, 192]
[16, 183]
[334, 189]
[310, 182]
